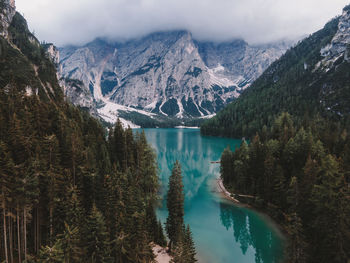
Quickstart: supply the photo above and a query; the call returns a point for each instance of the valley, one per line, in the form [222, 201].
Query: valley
[160, 143]
[174, 77]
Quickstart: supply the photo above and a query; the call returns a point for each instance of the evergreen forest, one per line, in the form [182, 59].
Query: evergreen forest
[296, 166]
[299, 176]
[69, 190]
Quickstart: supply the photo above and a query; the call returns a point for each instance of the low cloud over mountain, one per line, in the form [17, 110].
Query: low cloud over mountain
[256, 21]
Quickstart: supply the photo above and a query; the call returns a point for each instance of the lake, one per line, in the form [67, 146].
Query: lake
[223, 232]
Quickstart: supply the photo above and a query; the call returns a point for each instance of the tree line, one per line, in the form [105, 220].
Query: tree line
[300, 175]
[68, 194]
[295, 83]
[69, 190]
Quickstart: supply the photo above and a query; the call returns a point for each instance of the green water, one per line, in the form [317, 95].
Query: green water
[223, 232]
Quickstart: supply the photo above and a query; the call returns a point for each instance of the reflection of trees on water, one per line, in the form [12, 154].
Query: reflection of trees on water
[250, 230]
[194, 154]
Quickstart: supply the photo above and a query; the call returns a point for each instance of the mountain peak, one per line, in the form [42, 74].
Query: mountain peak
[166, 73]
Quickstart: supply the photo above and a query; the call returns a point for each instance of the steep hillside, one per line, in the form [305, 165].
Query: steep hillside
[7, 11]
[67, 194]
[24, 63]
[311, 78]
[296, 166]
[166, 73]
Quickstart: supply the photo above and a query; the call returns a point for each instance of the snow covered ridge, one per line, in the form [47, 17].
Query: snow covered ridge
[167, 73]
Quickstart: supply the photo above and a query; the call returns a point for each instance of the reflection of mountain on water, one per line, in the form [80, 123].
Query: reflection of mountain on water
[214, 242]
[193, 154]
[248, 230]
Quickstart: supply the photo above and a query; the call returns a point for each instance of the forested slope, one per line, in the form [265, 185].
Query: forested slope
[297, 164]
[296, 83]
[67, 193]
[302, 180]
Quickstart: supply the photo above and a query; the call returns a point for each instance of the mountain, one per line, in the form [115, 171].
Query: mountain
[24, 63]
[165, 73]
[310, 79]
[7, 11]
[67, 193]
[297, 162]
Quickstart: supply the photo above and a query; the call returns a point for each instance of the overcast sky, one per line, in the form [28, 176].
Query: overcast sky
[257, 21]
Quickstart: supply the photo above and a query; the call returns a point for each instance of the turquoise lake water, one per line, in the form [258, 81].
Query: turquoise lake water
[223, 232]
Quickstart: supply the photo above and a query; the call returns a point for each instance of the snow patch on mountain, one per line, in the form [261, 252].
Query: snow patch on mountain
[109, 112]
[216, 79]
[166, 73]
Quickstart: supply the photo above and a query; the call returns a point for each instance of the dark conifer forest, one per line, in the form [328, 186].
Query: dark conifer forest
[290, 172]
[296, 165]
[69, 191]
[73, 191]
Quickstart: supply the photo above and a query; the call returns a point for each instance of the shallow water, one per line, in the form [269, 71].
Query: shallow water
[223, 232]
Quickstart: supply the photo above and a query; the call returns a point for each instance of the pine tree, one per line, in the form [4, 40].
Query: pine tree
[119, 145]
[330, 219]
[160, 238]
[74, 210]
[96, 237]
[178, 252]
[279, 185]
[152, 223]
[297, 245]
[295, 227]
[54, 179]
[190, 250]
[7, 184]
[175, 205]
[71, 245]
[242, 177]
[30, 186]
[53, 254]
[146, 166]
[184, 250]
[130, 147]
[226, 167]
[283, 128]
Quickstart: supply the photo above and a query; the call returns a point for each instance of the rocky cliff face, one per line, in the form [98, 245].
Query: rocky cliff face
[73, 89]
[53, 53]
[25, 68]
[168, 73]
[240, 59]
[339, 47]
[310, 80]
[7, 12]
[333, 68]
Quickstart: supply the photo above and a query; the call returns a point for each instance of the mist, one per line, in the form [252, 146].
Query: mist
[66, 22]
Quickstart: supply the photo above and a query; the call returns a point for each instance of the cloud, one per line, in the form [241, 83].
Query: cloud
[257, 21]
